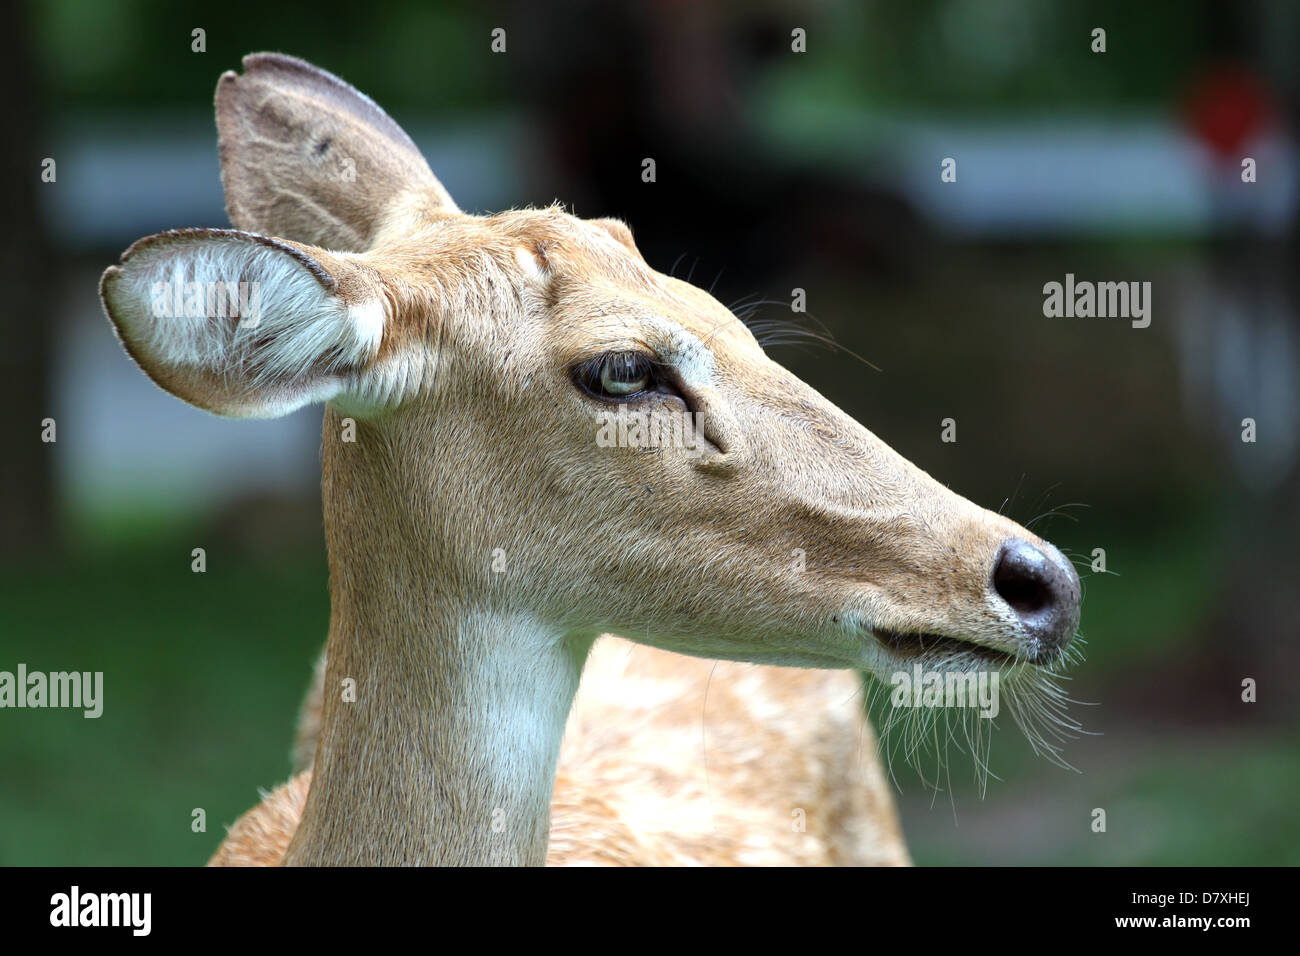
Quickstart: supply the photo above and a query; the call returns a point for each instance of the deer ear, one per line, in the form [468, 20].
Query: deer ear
[243, 325]
[304, 155]
[620, 231]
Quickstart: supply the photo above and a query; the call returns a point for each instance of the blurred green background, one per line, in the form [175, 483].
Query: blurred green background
[776, 170]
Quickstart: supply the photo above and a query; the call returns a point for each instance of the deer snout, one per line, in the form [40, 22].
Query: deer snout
[1042, 587]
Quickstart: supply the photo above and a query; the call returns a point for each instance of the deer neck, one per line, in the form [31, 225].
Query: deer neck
[442, 716]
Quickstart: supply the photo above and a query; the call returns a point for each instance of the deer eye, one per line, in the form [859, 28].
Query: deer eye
[617, 374]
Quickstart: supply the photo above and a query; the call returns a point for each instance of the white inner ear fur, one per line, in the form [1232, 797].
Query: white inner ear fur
[528, 262]
[242, 309]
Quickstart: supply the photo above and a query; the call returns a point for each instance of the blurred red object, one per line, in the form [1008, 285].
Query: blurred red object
[1228, 107]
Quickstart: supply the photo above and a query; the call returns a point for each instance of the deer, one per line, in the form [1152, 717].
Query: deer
[484, 548]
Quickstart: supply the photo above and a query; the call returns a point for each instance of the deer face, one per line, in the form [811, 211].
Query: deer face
[558, 427]
[653, 473]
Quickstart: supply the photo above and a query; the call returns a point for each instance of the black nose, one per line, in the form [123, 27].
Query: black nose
[1042, 587]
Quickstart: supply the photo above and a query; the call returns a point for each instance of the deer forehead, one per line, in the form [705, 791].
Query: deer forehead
[592, 288]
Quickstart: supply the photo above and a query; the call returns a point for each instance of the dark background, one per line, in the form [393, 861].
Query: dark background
[775, 170]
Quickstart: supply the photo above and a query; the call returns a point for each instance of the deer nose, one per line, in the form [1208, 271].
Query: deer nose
[1041, 586]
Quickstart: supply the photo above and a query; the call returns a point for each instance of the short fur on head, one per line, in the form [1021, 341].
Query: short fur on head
[480, 534]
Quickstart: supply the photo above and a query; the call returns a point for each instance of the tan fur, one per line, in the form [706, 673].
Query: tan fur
[480, 538]
[260, 836]
[671, 760]
[309, 718]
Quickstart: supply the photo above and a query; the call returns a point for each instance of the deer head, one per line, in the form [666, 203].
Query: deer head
[480, 531]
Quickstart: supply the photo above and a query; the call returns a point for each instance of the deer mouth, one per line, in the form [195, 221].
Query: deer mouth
[911, 646]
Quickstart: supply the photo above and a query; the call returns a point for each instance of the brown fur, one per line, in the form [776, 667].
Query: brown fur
[310, 154]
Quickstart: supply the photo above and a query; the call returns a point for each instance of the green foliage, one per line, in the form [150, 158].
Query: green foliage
[967, 56]
[202, 678]
[137, 53]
